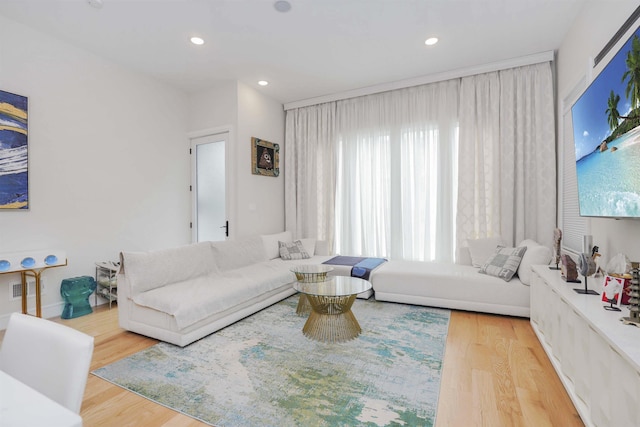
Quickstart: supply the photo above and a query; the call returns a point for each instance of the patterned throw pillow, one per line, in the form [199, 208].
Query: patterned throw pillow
[504, 262]
[293, 250]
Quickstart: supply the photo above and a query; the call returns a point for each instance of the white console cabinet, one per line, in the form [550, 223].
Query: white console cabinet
[596, 356]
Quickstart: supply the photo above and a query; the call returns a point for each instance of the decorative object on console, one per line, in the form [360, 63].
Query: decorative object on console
[265, 157]
[596, 256]
[14, 165]
[634, 302]
[32, 264]
[612, 289]
[586, 267]
[569, 271]
[557, 238]
[587, 244]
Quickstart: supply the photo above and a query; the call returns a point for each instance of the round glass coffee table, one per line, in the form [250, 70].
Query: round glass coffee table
[331, 318]
[308, 274]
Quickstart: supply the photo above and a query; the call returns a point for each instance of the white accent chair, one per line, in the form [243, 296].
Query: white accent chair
[48, 357]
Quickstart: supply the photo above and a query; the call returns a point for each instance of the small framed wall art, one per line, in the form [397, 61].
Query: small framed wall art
[14, 174]
[265, 157]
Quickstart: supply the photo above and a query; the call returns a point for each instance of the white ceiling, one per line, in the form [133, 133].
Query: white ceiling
[319, 47]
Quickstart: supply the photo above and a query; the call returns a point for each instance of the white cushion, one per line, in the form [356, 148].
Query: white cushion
[270, 242]
[535, 255]
[482, 249]
[193, 300]
[309, 246]
[154, 269]
[504, 262]
[233, 254]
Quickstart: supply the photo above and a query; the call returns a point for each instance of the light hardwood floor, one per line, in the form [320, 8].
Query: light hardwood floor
[495, 374]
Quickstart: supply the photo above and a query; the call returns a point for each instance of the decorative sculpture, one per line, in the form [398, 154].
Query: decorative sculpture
[634, 302]
[557, 238]
[569, 271]
[586, 267]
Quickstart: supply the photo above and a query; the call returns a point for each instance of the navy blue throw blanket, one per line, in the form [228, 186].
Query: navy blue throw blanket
[360, 266]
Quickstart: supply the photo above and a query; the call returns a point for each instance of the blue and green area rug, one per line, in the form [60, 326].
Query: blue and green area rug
[262, 371]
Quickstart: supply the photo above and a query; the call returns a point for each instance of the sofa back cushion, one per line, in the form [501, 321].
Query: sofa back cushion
[270, 242]
[233, 254]
[536, 254]
[482, 249]
[154, 269]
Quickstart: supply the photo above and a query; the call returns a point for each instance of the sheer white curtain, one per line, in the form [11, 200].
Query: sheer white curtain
[310, 171]
[507, 156]
[396, 173]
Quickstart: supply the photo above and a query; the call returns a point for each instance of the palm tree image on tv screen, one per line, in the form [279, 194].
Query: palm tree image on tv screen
[606, 131]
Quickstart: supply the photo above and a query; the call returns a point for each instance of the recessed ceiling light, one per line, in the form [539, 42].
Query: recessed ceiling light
[197, 40]
[431, 41]
[263, 82]
[282, 6]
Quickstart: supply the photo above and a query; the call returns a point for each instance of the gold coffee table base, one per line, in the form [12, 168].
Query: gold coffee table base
[303, 308]
[331, 319]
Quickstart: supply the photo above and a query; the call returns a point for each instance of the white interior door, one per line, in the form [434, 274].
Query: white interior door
[208, 159]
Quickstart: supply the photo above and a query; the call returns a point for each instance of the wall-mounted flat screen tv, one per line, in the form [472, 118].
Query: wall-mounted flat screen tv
[606, 132]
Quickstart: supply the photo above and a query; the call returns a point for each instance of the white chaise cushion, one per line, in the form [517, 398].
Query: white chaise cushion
[482, 249]
[449, 285]
[270, 242]
[154, 269]
[536, 255]
[193, 300]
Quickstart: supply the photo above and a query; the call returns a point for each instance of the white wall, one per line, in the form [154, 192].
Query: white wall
[214, 108]
[261, 201]
[257, 201]
[108, 160]
[591, 31]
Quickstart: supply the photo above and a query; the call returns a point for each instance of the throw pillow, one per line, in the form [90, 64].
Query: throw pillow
[482, 249]
[504, 262]
[535, 255]
[293, 250]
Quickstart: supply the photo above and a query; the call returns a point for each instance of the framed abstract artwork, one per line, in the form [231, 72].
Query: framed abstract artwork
[14, 175]
[265, 157]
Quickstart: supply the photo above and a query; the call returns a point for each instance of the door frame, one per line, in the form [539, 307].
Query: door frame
[229, 172]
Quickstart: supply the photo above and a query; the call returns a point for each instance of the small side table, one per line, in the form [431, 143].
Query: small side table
[309, 273]
[331, 319]
[76, 292]
[31, 263]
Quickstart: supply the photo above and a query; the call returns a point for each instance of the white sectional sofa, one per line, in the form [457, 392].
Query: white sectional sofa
[180, 295]
[460, 286]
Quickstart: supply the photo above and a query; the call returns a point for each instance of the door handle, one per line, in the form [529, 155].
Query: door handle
[226, 228]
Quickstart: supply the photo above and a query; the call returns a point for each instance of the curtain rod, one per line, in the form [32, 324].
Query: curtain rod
[433, 78]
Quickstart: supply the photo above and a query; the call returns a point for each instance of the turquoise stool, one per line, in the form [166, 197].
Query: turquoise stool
[75, 292]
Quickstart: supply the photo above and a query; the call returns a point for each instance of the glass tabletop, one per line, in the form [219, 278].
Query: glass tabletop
[334, 286]
[311, 268]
